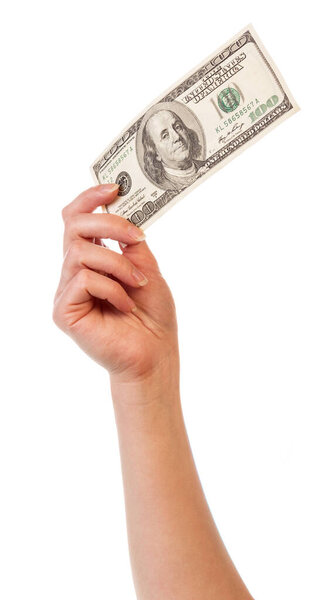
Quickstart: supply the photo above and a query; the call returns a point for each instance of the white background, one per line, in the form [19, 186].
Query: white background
[247, 257]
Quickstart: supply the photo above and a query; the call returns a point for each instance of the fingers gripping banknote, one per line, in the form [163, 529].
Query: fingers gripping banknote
[202, 122]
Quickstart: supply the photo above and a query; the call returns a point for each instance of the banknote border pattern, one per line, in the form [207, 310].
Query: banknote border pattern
[217, 157]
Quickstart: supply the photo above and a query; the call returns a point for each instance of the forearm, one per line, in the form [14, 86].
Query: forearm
[175, 549]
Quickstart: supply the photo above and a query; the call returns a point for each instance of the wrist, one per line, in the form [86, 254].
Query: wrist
[147, 411]
[160, 386]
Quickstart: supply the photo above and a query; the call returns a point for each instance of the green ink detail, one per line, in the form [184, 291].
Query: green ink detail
[228, 99]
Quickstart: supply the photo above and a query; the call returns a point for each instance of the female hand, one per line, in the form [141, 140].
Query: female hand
[96, 310]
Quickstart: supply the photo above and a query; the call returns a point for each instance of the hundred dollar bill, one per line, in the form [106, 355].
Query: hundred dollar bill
[194, 128]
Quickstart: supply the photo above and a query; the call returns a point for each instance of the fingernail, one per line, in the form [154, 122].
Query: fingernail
[136, 234]
[140, 277]
[106, 188]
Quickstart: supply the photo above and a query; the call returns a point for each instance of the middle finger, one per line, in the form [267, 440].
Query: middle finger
[87, 226]
[82, 254]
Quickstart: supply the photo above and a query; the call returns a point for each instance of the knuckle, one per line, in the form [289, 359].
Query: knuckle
[118, 220]
[56, 316]
[83, 278]
[75, 251]
[65, 213]
[107, 219]
[115, 288]
[118, 289]
[120, 266]
[71, 225]
[127, 265]
[113, 258]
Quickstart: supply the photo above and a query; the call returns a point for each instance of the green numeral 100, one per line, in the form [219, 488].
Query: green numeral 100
[263, 108]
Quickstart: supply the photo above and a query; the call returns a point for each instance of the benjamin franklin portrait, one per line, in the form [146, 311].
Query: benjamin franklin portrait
[171, 150]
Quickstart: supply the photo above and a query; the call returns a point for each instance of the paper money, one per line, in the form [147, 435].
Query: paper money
[193, 129]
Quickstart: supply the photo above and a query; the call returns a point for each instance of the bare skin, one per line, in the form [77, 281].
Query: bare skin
[130, 329]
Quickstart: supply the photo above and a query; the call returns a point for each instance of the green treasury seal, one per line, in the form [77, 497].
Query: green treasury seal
[228, 99]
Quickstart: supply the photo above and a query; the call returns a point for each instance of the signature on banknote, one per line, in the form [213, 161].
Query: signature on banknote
[235, 129]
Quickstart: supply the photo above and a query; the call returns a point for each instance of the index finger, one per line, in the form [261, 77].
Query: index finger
[90, 199]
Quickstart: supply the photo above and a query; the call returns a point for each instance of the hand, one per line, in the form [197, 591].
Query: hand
[96, 309]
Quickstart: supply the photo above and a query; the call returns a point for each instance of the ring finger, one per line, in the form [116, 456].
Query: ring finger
[82, 254]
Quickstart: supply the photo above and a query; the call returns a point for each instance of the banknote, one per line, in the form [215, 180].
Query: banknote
[222, 106]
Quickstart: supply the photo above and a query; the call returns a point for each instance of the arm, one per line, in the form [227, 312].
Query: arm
[130, 328]
[175, 549]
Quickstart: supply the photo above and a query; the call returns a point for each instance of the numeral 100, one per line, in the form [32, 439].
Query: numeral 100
[260, 110]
